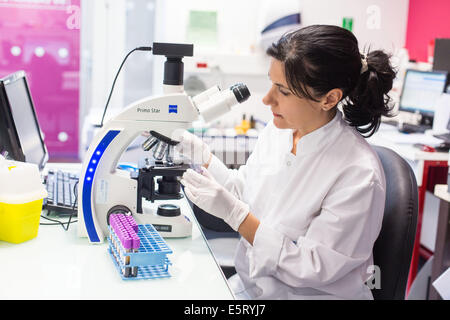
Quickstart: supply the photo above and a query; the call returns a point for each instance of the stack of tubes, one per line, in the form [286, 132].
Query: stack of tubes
[125, 229]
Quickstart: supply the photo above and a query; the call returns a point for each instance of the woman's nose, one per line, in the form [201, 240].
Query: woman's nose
[268, 98]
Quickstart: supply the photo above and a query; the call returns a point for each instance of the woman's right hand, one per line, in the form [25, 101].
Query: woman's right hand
[193, 148]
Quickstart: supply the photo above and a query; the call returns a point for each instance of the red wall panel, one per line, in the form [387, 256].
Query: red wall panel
[427, 20]
[43, 39]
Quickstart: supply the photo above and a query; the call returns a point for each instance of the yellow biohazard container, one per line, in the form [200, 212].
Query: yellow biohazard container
[21, 197]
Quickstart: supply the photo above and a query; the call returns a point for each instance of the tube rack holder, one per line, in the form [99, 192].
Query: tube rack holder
[150, 261]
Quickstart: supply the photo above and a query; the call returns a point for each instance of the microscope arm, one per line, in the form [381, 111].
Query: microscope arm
[102, 186]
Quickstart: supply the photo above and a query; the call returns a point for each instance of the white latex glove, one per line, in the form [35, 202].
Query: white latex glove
[193, 148]
[203, 190]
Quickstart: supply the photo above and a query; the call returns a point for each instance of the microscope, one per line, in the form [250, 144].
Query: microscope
[104, 189]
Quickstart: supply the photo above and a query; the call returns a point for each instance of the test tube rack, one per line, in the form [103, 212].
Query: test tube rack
[137, 251]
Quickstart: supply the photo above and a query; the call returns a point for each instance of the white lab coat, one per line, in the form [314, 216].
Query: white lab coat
[320, 212]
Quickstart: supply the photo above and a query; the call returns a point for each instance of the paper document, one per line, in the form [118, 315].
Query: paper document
[410, 138]
[442, 113]
[442, 285]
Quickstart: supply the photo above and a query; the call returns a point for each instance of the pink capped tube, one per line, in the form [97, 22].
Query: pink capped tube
[136, 243]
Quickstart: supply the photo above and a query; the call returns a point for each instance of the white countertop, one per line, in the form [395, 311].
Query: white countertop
[388, 136]
[441, 191]
[57, 264]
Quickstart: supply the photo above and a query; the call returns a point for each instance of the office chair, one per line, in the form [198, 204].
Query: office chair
[392, 250]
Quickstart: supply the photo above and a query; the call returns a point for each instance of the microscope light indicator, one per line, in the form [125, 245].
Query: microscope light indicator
[87, 185]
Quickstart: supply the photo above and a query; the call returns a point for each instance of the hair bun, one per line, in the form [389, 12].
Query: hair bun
[364, 64]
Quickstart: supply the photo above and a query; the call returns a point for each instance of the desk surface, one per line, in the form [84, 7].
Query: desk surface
[402, 143]
[60, 265]
[441, 191]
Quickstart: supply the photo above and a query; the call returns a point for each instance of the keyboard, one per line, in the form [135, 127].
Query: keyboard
[390, 122]
[444, 136]
[62, 192]
[413, 128]
[408, 127]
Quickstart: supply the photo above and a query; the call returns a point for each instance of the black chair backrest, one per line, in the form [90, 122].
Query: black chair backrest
[392, 251]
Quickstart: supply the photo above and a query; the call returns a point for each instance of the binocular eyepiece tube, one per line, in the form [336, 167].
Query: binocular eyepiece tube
[213, 103]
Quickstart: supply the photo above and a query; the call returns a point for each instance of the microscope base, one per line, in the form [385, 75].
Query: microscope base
[168, 227]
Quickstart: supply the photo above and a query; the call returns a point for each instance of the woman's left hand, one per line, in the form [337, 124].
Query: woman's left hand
[203, 190]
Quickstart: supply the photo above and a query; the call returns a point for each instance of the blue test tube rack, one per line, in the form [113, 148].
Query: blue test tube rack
[149, 262]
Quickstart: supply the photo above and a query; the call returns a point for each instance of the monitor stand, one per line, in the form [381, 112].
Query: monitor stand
[427, 121]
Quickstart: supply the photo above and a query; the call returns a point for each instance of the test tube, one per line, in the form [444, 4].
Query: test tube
[136, 245]
[115, 233]
[128, 223]
[128, 249]
[127, 241]
[133, 223]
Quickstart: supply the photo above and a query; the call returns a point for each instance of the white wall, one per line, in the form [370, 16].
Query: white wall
[103, 47]
[110, 29]
[237, 22]
[237, 54]
[376, 23]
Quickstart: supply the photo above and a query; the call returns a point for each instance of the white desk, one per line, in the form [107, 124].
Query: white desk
[421, 162]
[389, 137]
[59, 265]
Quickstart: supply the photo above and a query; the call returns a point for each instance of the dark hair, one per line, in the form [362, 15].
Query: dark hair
[325, 57]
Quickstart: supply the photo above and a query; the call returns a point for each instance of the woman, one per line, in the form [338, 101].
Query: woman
[309, 201]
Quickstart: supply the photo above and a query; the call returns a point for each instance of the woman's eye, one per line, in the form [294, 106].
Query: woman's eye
[284, 93]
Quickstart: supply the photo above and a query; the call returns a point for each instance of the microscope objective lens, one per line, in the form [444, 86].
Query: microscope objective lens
[169, 154]
[149, 143]
[160, 150]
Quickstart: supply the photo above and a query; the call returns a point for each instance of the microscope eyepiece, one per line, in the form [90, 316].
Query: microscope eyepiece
[214, 103]
[241, 92]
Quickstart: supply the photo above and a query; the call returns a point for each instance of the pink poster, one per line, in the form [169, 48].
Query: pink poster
[427, 20]
[42, 37]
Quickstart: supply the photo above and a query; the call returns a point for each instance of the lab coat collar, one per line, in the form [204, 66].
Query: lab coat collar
[319, 138]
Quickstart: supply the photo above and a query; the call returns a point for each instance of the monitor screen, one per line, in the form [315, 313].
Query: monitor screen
[441, 59]
[9, 141]
[421, 90]
[24, 118]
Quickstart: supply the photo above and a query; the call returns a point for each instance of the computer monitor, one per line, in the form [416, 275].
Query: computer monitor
[421, 90]
[25, 138]
[9, 139]
[441, 59]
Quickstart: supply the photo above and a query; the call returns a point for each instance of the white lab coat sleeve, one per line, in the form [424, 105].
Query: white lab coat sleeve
[338, 239]
[234, 180]
[219, 170]
[231, 179]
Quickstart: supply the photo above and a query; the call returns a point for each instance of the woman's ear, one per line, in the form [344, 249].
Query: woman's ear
[331, 99]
